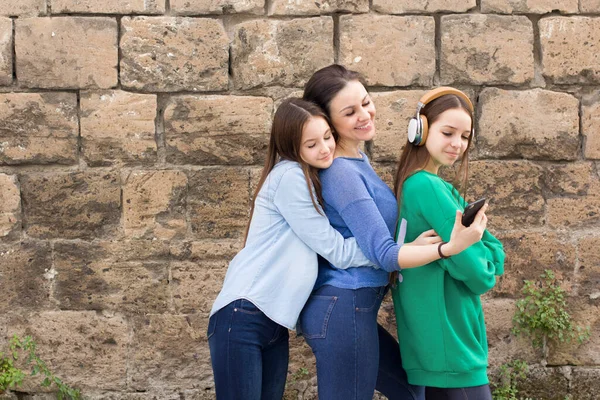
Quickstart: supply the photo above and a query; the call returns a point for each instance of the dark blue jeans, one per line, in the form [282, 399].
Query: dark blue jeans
[249, 353]
[355, 355]
[470, 393]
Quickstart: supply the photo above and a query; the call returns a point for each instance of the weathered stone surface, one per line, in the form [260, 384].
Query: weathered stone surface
[23, 8]
[544, 383]
[108, 6]
[217, 129]
[205, 393]
[118, 127]
[590, 121]
[192, 278]
[205, 250]
[416, 6]
[219, 202]
[193, 7]
[173, 53]
[286, 53]
[170, 351]
[529, 6]
[394, 111]
[569, 49]
[38, 128]
[85, 348]
[591, 6]
[71, 205]
[56, 52]
[574, 212]
[585, 383]
[6, 56]
[368, 43]
[576, 179]
[90, 277]
[588, 276]
[513, 189]
[154, 204]
[24, 283]
[10, 206]
[528, 254]
[480, 49]
[503, 346]
[548, 129]
[286, 7]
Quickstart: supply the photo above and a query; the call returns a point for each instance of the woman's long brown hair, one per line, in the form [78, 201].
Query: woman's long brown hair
[284, 144]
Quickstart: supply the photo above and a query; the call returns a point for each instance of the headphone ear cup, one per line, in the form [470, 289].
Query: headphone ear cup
[413, 128]
[424, 130]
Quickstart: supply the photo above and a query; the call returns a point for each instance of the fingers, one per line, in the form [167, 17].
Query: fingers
[458, 219]
[430, 232]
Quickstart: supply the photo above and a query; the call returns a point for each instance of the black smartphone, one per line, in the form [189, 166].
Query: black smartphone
[471, 210]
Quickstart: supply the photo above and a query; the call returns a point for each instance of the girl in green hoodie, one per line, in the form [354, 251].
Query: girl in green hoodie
[440, 322]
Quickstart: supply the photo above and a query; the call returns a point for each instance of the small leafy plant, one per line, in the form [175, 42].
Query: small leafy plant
[510, 374]
[542, 314]
[12, 377]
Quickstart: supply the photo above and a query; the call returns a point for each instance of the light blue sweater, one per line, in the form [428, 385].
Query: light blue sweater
[359, 204]
[277, 268]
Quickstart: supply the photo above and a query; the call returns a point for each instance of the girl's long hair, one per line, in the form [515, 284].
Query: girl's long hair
[415, 158]
[284, 144]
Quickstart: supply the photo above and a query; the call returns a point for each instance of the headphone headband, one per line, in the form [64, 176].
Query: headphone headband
[442, 91]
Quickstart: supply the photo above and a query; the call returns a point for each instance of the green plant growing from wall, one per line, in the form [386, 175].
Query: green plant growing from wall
[542, 314]
[11, 376]
[510, 374]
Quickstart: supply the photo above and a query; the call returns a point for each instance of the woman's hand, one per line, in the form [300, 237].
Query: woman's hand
[462, 236]
[425, 238]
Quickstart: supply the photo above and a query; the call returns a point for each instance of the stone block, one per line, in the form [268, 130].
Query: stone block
[56, 52]
[38, 128]
[118, 127]
[154, 204]
[108, 7]
[533, 124]
[588, 272]
[87, 349]
[6, 55]
[90, 277]
[286, 7]
[585, 383]
[589, 6]
[23, 8]
[544, 383]
[206, 250]
[513, 189]
[528, 254]
[280, 52]
[569, 53]
[84, 205]
[568, 180]
[529, 6]
[197, 284]
[169, 54]
[24, 269]
[10, 207]
[217, 129]
[194, 7]
[486, 49]
[170, 352]
[574, 212]
[369, 43]
[416, 6]
[590, 121]
[219, 202]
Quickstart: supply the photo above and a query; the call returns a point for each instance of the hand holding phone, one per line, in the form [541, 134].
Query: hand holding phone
[471, 210]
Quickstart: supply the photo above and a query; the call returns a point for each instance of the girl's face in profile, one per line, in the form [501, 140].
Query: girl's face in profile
[448, 138]
[317, 146]
[352, 113]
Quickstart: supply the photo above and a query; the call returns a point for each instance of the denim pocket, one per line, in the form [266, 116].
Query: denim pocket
[246, 307]
[367, 298]
[315, 316]
[212, 325]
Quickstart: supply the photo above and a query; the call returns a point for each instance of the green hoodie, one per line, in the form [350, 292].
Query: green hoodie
[438, 311]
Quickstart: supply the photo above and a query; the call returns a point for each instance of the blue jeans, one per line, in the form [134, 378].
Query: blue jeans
[249, 353]
[482, 392]
[355, 355]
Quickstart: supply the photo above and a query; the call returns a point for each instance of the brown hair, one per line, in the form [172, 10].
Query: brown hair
[285, 142]
[327, 82]
[415, 158]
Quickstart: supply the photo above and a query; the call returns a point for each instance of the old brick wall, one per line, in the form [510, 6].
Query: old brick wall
[132, 134]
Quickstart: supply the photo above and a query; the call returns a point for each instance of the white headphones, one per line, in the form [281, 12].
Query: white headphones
[418, 127]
